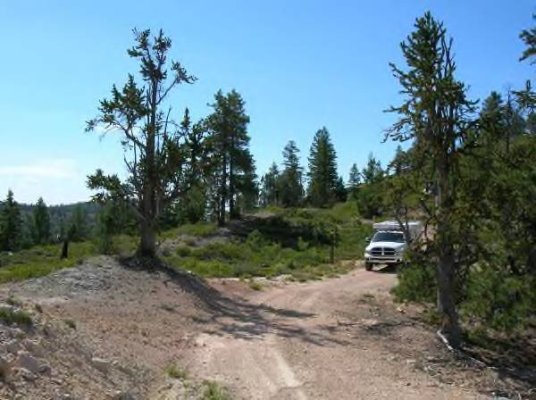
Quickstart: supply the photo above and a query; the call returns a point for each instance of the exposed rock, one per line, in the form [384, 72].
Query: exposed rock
[12, 346]
[100, 363]
[26, 374]
[5, 367]
[17, 333]
[27, 361]
[34, 347]
[123, 395]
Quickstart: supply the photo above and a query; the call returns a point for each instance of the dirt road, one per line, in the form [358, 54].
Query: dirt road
[320, 340]
[106, 331]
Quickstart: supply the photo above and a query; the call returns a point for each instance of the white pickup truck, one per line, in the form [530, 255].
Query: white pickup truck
[388, 244]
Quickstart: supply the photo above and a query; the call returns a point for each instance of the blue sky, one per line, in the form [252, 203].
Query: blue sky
[299, 65]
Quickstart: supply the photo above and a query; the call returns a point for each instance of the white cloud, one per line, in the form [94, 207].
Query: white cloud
[56, 168]
[59, 180]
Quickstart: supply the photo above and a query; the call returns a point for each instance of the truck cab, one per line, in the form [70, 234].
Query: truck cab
[389, 243]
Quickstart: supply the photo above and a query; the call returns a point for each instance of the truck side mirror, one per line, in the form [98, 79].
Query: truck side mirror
[367, 239]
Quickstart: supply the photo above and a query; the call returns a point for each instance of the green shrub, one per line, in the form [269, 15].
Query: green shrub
[255, 285]
[183, 251]
[70, 323]
[18, 317]
[175, 372]
[256, 240]
[42, 260]
[294, 241]
[13, 301]
[499, 300]
[213, 391]
[201, 229]
[416, 282]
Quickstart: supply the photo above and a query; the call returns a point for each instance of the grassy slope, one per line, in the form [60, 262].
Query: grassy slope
[42, 260]
[289, 242]
[294, 242]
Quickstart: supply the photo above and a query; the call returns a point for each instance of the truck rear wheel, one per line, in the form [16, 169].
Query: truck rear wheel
[368, 266]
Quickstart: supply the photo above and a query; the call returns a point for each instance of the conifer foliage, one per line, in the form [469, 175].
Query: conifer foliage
[322, 172]
[41, 223]
[10, 224]
[436, 116]
[152, 152]
[234, 168]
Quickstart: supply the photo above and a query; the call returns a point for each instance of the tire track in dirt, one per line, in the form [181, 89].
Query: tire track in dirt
[294, 347]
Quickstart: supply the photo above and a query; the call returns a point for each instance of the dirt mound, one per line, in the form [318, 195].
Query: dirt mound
[103, 329]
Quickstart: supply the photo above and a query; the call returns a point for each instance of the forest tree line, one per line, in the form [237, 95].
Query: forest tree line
[23, 226]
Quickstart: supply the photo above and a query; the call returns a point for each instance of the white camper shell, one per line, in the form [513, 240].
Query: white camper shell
[389, 242]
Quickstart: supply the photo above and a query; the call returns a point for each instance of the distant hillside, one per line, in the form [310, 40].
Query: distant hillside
[62, 213]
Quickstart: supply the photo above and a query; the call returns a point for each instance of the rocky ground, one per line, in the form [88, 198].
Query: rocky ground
[110, 330]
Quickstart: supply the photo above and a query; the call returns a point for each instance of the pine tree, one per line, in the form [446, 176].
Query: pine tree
[112, 219]
[10, 224]
[41, 223]
[340, 190]
[153, 156]
[322, 172]
[270, 191]
[78, 224]
[229, 144]
[435, 114]
[369, 195]
[373, 171]
[527, 97]
[354, 179]
[291, 185]
[192, 206]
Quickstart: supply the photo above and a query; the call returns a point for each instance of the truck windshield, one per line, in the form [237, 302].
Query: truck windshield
[397, 237]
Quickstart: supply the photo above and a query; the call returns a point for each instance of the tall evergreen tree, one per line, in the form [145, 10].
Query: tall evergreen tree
[78, 224]
[354, 179]
[373, 171]
[270, 191]
[322, 172]
[340, 191]
[192, 206]
[229, 142]
[152, 148]
[10, 224]
[41, 222]
[527, 97]
[435, 115]
[369, 195]
[291, 185]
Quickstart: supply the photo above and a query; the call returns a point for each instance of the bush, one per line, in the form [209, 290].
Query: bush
[175, 372]
[294, 242]
[256, 240]
[499, 300]
[183, 251]
[213, 391]
[416, 282]
[201, 229]
[18, 317]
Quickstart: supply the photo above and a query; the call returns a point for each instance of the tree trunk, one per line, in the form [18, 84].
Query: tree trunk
[232, 206]
[223, 193]
[147, 246]
[446, 304]
[65, 249]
